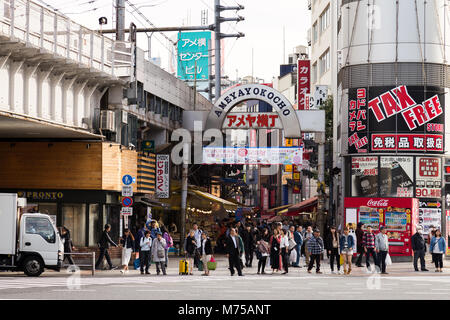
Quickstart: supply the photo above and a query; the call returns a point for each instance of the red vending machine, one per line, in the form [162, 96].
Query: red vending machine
[398, 215]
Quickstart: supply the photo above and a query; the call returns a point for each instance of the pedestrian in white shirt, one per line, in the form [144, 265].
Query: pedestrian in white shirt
[146, 244]
[284, 248]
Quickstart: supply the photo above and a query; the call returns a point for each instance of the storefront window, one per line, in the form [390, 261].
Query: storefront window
[94, 224]
[397, 175]
[74, 218]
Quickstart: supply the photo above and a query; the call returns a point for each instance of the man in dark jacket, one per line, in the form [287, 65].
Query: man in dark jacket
[359, 243]
[249, 244]
[233, 252]
[419, 248]
[104, 244]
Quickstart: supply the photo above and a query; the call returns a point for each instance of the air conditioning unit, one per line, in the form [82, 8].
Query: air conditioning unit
[108, 120]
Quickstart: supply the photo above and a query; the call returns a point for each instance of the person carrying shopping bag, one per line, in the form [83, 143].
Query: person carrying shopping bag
[206, 251]
[382, 248]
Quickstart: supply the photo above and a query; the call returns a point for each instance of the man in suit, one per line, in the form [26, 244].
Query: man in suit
[233, 252]
[104, 244]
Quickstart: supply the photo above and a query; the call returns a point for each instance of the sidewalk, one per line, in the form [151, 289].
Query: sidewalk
[401, 269]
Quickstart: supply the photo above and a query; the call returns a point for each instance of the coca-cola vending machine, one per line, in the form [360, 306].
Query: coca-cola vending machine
[398, 215]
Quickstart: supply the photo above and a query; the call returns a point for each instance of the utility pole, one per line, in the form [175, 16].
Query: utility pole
[120, 20]
[320, 139]
[219, 36]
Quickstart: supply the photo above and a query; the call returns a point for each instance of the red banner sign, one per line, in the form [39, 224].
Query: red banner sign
[303, 83]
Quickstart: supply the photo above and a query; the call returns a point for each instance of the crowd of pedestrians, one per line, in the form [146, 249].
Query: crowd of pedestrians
[277, 247]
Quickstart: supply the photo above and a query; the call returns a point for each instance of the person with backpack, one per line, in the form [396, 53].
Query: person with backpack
[315, 247]
[169, 243]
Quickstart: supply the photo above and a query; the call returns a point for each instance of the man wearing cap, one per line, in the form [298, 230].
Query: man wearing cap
[382, 248]
[315, 247]
[419, 248]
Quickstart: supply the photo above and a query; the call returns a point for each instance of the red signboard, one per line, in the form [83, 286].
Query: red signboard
[378, 202]
[303, 83]
[407, 142]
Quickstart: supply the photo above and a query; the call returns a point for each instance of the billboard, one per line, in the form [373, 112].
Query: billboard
[428, 177]
[397, 176]
[364, 176]
[396, 119]
[193, 55]
[247, 155]
[303, 84]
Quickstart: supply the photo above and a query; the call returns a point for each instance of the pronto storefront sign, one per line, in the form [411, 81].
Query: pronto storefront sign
[283, 108]
[162, 176]
[263, 156]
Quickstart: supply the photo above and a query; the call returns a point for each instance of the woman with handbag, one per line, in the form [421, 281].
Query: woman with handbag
[437, 249]
[207, 252]
[263, 249]
[159, 253]
[127, 244]
[332, 247]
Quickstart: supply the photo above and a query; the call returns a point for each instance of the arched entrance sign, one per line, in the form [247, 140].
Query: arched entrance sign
[234, 96]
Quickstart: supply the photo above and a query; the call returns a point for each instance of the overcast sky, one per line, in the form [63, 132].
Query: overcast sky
[263, 28]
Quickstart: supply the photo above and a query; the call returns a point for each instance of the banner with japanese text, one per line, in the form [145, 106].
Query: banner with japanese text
[193, 55]
[245, 155]
[303, 84]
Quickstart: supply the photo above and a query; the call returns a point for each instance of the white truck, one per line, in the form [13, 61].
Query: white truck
[29, 242]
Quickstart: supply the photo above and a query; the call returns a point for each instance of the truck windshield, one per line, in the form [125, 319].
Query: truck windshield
[42, 227]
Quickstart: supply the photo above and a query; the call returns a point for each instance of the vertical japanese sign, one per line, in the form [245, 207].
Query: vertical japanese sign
[162, 176]
[296, 177]
[357, 122]
[193, 55]
[303, 84]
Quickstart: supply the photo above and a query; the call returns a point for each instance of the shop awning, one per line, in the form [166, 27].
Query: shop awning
[306, 206]
[278, 208]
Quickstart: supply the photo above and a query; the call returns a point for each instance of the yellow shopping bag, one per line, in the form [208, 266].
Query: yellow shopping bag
[341, 259]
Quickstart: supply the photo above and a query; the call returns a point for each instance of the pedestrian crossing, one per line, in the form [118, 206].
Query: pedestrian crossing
[21, 282]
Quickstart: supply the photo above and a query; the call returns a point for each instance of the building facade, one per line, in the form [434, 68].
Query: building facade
[391, 123]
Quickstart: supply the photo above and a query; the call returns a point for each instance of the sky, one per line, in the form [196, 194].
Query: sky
[263, 28]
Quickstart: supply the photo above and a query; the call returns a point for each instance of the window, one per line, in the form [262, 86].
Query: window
[74, 219]
[325, 19]
[315, 35]
[325, 62]
[314, 73]
[95, 224]
[42, 227]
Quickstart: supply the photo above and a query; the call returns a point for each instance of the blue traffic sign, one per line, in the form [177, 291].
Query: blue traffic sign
[127, 179]
[127, 202]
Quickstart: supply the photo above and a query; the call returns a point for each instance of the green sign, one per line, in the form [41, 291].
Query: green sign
[148, 146]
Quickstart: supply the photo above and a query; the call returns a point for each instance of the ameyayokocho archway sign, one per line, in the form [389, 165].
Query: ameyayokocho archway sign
[235, 96]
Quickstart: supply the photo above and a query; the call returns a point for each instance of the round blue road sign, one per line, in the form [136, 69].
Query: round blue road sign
[127, 201]
[127, 180]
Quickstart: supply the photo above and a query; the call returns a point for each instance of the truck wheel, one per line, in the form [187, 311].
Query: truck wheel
[33, 266]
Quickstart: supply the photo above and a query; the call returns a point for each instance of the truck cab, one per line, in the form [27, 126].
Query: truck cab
[40, 245]
[29, 242]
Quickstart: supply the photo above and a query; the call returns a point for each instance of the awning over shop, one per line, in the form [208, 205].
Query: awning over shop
[305, 207]
[271, 211]
[212, 197]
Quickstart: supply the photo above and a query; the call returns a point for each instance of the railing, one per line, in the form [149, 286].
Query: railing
[92, 254]
[40, 27]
